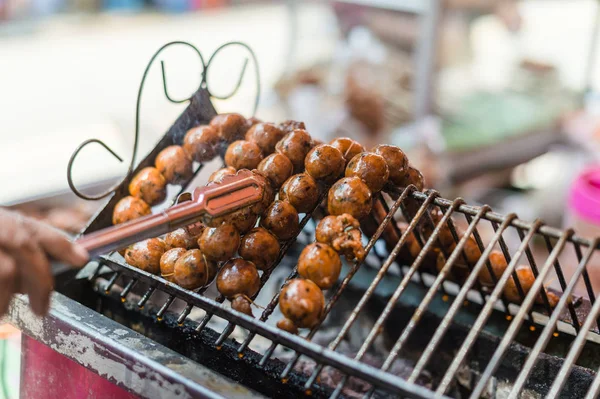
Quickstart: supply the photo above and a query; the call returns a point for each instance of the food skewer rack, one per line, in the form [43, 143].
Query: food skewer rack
[574, 321]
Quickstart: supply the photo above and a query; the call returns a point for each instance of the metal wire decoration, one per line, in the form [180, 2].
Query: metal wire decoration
[204, 85]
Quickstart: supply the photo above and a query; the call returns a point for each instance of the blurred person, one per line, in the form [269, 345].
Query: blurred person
[26, 248]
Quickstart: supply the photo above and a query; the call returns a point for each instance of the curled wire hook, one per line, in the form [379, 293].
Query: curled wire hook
[137, 124]
[241, 75]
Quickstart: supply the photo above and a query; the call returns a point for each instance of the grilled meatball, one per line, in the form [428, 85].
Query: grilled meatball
[212, 270]
[238, 277]
[181, 238]
[265, 136]
[191, 270]
[302, 302]
[146, 255]
[396, 160]
[301, 191]
[150, 185]
[281, 219]
[219, 174]
[243, 219]
[349, 195]
[472, 251]
[230, 127]
[348, 147]
[129, 208]
[167, 263]
[277, 168]
[253, 121]
[219, 243]
[289, 126]
[411, 176]
[174, 164]
[325, 162]
[201, 143]
[243, 154]
[316, 142]
[268, 194]
[287, 325]
[526, 280]
[342, 234]
[295, 146]
[371, 168]
[320, 264]
[459, 272]
[260, 247]
[498, 263]
[242, 304]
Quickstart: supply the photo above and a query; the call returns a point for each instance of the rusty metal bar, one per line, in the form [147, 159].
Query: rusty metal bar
[382, 272]
[426, 300]
[184, 314]
[572, 356]
[128, 288]
[357, 264]
[145, 297]
[546, 334]
[515, 325]
[535, 271]
[440, 332]
[432, 291]
[485, 313]
[165, 306]
[111, 282]
[316, 352]
[563, 284]
[497, 217]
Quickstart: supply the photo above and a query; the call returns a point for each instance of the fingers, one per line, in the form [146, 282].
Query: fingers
[35, 277]
[8, 276]
[58, 245]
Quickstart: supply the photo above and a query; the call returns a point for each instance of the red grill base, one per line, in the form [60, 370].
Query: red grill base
[48, 374]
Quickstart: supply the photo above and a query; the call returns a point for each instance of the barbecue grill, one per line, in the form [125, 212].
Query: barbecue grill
[389, 329]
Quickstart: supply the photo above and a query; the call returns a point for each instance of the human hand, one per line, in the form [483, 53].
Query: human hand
[26, 247]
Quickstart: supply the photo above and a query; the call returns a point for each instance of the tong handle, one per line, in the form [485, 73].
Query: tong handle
[116, 237]
[231, 194]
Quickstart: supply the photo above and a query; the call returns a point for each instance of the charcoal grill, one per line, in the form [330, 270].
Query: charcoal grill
[458, 340]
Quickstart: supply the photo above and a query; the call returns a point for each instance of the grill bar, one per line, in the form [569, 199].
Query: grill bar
[562, 282]
[318, 353]
[457, 303]
[544, 338]
[472, 210]
[515, 278]
[344, 284]
[400, 290]
[432, 291]
[485, 312]
[536, 273]
[573, 354]
[518, 319]
[586, 279]
[127, 289]
[357, 264]
[369, 292]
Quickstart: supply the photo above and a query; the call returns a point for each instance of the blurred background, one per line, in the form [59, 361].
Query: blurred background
[496, 101]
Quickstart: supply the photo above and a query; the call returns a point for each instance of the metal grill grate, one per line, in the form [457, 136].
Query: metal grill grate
[381, 378]
[580, 314]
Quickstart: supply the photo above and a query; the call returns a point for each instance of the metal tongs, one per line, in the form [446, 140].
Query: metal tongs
[232, 193]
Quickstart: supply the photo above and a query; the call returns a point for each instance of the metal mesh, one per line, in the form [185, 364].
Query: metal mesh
[490, 231]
